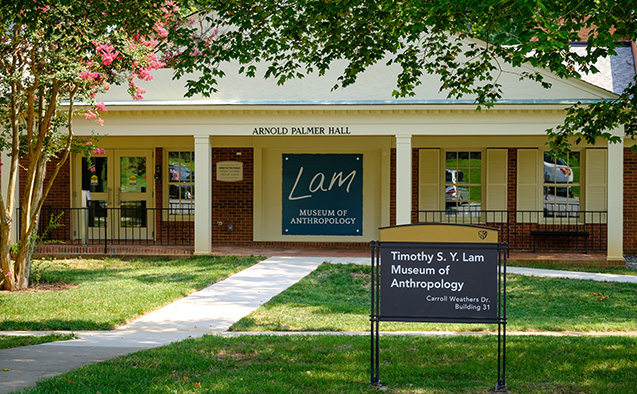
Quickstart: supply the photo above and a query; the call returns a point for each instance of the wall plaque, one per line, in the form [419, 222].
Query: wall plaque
[229, 171]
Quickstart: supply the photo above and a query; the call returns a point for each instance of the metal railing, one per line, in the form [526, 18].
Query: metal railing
[550, 230]
[116, 226]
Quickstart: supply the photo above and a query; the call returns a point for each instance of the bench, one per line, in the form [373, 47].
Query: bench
[559, 233]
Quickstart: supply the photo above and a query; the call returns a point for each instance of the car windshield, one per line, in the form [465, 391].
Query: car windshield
[553, 160]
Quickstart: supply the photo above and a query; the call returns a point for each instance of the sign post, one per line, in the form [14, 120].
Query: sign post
[447, 273]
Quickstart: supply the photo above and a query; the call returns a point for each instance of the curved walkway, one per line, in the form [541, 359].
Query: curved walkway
[211, 310]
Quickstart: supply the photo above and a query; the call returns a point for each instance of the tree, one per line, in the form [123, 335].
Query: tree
[464, 42]
[53, 56]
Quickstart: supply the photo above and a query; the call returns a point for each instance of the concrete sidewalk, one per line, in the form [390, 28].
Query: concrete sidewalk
[211, 310]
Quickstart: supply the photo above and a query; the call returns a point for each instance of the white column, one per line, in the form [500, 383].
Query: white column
[615, 242]
[203, 195]
[403, 179]
[5, 170]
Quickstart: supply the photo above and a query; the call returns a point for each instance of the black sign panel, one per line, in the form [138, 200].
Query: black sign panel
[322, 194]
[439, 282]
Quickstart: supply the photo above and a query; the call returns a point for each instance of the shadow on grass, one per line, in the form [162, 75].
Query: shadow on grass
[54, 325]
[110, 292]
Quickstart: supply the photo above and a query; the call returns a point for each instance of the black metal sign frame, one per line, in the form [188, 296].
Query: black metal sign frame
[438, 284]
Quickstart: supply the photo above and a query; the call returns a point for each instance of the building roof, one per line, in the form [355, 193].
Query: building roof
[375, 87]
[615, 72]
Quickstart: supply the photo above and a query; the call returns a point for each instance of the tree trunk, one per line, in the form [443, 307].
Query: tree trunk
[22, 267]
[5, 258]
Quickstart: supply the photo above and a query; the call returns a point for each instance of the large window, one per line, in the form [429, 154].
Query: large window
[463, 183]
[181, 182]
[562, 185]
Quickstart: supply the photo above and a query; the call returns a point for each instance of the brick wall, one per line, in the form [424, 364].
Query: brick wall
[57, 199]
[512, 179]
[232, 202]
[630, 202]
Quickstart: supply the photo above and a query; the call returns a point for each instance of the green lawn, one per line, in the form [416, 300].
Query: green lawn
[340, 364]
[110, 292]
[336, 298]
[7, 342]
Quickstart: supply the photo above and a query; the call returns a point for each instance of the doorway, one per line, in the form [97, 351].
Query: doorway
[118, 191]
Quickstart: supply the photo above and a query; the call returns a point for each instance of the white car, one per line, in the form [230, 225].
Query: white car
[455, 193]
[556, 170]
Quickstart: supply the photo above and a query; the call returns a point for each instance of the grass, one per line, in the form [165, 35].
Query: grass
[105, 294]
[340, 364]
[7, 342]
[336, 298]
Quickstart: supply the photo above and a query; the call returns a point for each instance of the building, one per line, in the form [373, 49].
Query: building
[261, 164]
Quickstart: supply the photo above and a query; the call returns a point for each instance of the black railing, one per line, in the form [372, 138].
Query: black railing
[136, 225]
[551, 230]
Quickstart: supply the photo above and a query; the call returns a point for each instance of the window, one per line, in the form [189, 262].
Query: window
[463, 183]
[562, 187]
[181, 183]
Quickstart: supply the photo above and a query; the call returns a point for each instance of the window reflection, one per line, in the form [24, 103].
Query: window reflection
[463, 183]
[562, 189]
[181, 177]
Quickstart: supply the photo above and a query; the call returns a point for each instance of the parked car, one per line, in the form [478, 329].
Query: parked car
[556, 170]
[453, 192]
[178, 173]
[180, 195]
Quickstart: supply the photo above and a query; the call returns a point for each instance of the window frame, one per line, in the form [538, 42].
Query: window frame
[449, 213]
[564, 169]
[167, 183]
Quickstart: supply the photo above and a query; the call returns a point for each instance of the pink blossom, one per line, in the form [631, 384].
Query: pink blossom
[99, 121]
[107, 58]
[88, 143]
[136, 91]
[101, 107]
[89, 76]
[106, 52]
[160, 30]
[156, 65]
[90, 115]
[144, 74]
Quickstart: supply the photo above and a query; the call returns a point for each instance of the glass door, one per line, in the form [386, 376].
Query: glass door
[95, 197]
[117, 191]
[133, 195]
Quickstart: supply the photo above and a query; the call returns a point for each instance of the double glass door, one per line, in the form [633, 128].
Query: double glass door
[117, 189]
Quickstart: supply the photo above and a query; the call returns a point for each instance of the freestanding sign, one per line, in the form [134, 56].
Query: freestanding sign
[439, 282]
[439, 273]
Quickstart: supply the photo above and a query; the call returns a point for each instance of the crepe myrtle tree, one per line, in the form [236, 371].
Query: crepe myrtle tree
[465, 43]
[55, 55]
